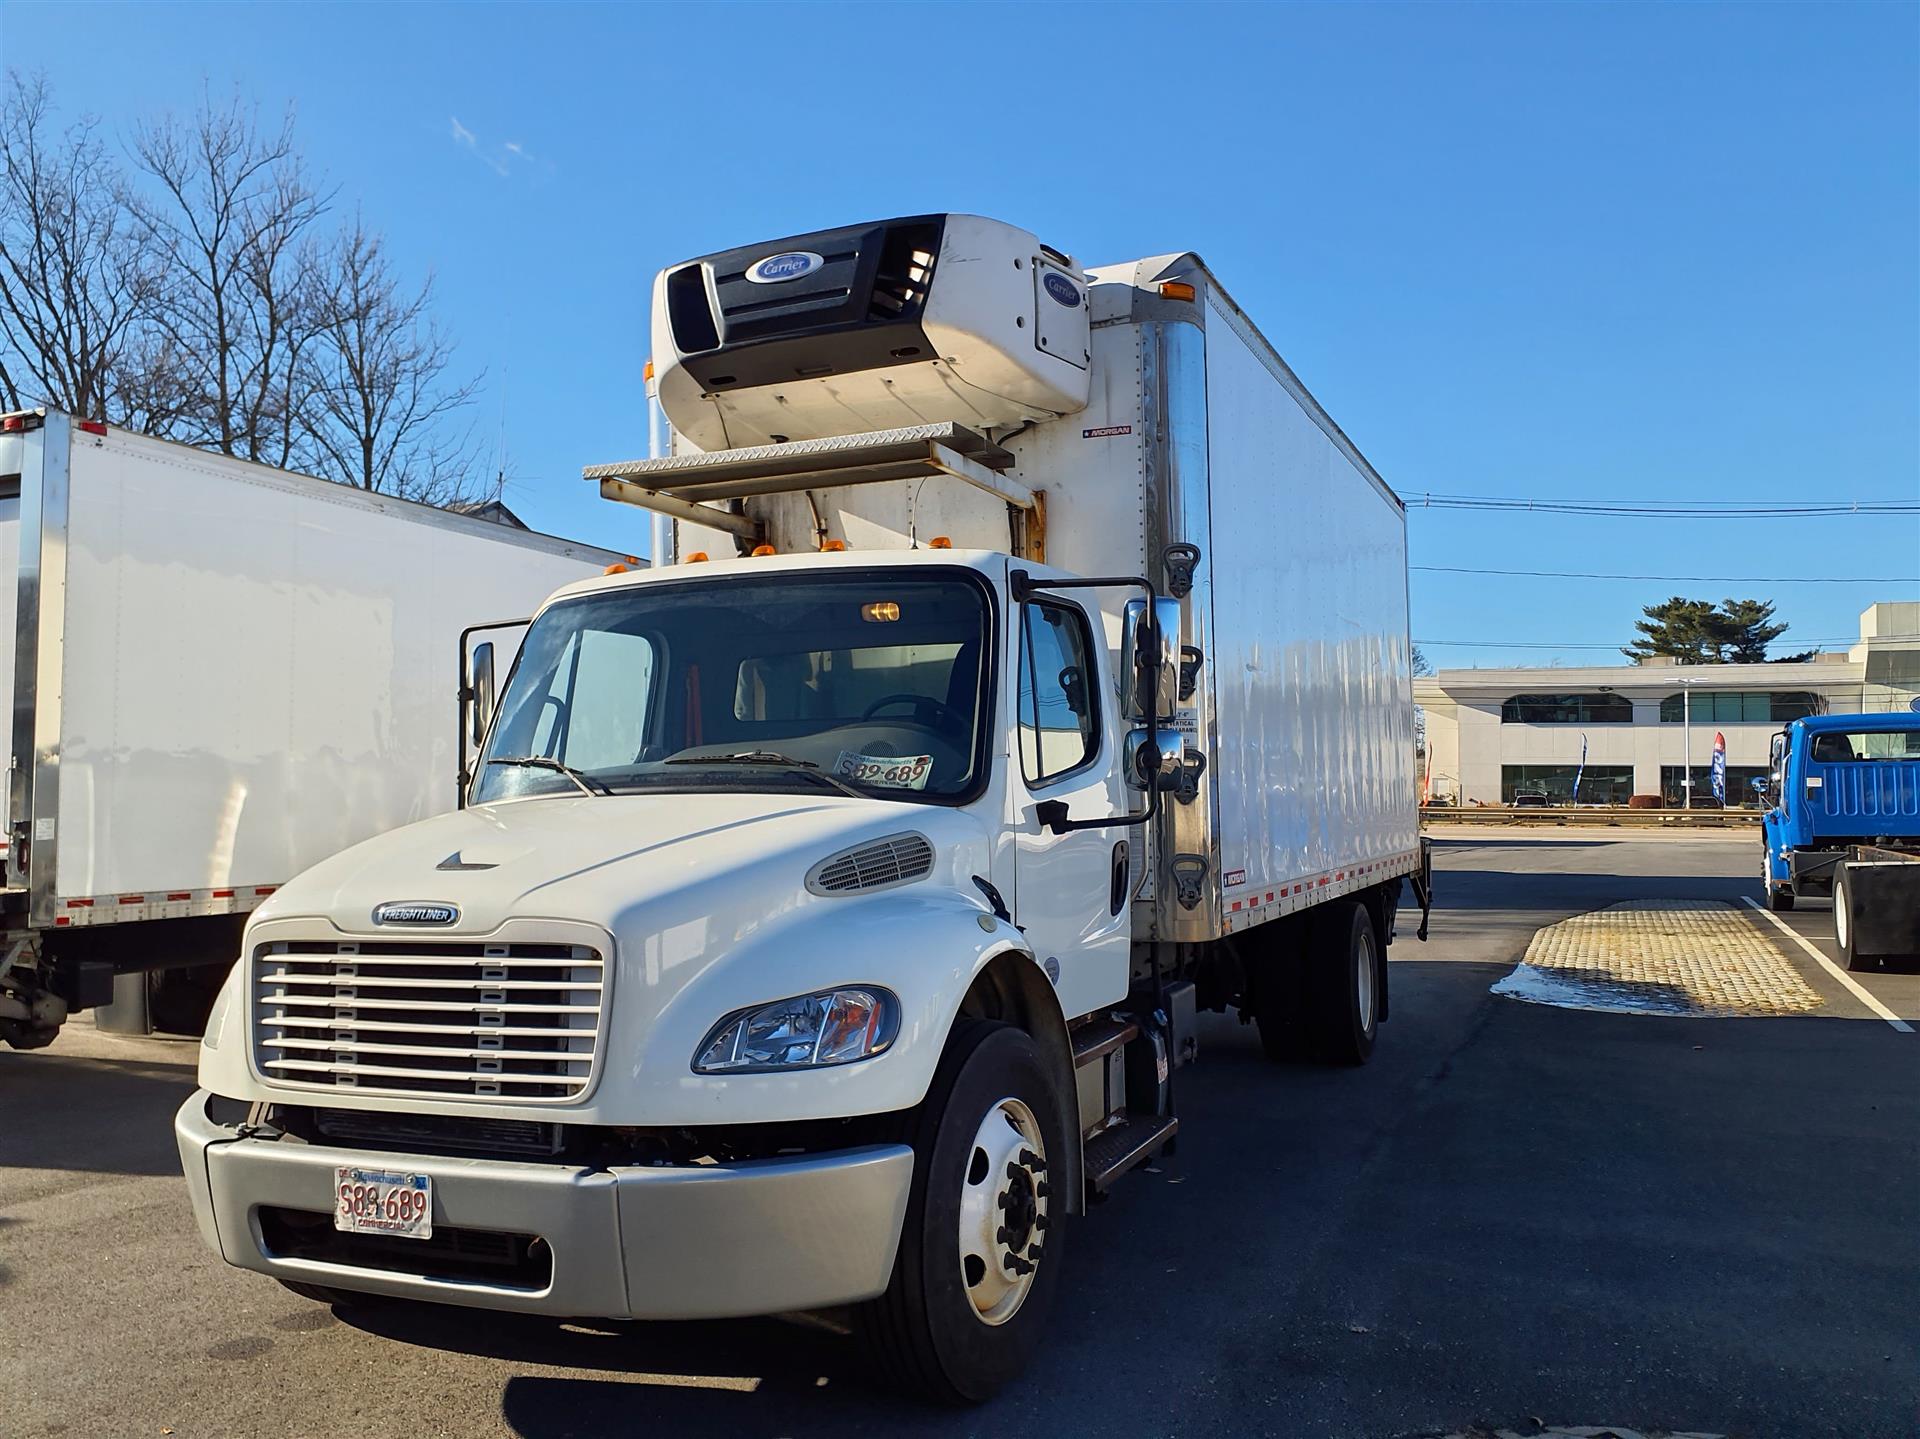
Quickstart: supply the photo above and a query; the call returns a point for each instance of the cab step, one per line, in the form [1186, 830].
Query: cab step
[1098, 1038]
[1133, 1141]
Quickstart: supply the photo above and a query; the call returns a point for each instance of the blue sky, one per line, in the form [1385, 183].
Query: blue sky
[1552, 251]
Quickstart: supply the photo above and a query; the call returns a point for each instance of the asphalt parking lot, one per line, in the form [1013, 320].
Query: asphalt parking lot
[1517, 1215]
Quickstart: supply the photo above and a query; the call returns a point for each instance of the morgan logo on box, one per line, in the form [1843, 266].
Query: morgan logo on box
[413, 911]
[788, 265]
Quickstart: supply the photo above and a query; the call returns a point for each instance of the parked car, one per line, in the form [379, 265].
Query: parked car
[1531, 799]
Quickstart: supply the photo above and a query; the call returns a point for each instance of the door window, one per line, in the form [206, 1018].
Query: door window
[1059, 719]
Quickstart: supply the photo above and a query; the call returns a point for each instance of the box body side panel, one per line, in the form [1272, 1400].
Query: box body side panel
[1312, 754]
[257, 672]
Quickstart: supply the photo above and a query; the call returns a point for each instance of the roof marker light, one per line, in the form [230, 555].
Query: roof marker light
[1176, 290]
[759, 550]
[833, 547]
[939, 542]
[698, 557]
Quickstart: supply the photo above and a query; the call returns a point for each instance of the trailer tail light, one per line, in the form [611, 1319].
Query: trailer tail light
[92, 427]
[18, 424]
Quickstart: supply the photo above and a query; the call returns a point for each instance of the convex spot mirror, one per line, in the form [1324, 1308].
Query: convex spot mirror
[1150, 658]
[1155, 765]
[482, 691]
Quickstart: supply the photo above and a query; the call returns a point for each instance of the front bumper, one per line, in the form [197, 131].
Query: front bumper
[760, 1236]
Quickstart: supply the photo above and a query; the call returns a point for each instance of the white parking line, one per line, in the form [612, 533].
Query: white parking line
[1833, 969]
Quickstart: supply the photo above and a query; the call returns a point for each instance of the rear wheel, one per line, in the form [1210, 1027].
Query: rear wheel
[1343, 982]
[1843, 932]
[979, 1253]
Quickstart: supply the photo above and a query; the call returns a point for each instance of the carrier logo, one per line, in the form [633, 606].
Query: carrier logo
[1063, 290]
[789, 265]
[415, 912]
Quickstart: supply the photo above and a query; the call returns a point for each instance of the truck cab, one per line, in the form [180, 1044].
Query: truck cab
[827, 913]
[1836, 781]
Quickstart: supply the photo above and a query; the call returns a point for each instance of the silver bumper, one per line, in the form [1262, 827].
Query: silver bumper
[757, 1237]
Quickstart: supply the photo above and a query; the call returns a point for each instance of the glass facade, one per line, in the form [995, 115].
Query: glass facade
[1567, 709]
[1741, 706]
[1599, 784]
[1740, 791]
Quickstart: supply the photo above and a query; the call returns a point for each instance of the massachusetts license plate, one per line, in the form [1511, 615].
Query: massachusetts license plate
[381, 1201]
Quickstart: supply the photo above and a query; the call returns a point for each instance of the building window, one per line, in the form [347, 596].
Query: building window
[1741, 706]
[1567, 709]
[1740, 791]
[1599, 783]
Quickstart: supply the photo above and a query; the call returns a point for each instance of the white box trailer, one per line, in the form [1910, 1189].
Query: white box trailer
[217, 673]
[834, 904]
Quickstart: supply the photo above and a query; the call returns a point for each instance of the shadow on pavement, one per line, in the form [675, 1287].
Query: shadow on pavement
[54, 1105]
[749, 1375]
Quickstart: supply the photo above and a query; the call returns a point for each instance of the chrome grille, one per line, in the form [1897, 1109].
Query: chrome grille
[465, 1019]
[897, 859]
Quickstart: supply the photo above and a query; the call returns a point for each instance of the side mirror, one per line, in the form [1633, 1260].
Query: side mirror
[1150, 657]
[1159, 766]
[482, 690]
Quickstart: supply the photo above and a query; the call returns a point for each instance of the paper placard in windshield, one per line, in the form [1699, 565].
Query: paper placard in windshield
[885, 771]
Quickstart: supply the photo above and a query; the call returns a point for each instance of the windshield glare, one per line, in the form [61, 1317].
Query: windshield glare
[873, 678]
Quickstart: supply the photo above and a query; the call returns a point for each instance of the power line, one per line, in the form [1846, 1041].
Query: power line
[1667, 509]
[1679, 579]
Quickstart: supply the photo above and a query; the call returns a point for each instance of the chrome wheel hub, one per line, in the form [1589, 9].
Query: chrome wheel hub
[1003, 1211]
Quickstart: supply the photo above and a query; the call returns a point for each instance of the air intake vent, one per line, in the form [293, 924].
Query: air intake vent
[905, 272]
[897, 859]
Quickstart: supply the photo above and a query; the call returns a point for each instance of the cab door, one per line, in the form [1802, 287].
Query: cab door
[1073, 890]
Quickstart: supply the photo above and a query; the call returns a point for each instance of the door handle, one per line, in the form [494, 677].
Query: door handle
[1117, 885]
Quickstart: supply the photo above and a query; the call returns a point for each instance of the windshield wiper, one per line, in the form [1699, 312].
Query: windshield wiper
[774, 760]
[588, 784]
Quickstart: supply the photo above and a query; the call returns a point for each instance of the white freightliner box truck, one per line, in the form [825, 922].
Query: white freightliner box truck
[219, 673]
[830, 910]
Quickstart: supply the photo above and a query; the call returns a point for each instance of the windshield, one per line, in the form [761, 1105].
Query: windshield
[859, 678]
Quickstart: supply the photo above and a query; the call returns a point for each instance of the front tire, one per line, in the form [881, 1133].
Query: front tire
[338, 1298]
[1779, 897]
[979, 1255]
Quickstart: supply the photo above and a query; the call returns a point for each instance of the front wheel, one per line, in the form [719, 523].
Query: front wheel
[338, 1298]
[1779, 897]
[979, 1253]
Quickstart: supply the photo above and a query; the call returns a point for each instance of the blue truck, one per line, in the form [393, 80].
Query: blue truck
[1845, 825]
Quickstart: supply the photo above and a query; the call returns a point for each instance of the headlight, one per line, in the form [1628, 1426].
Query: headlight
[835, 1026]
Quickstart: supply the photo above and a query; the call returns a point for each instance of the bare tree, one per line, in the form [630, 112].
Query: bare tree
[76, 287]
[231, 217]
[383, 405]
[197, 299]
